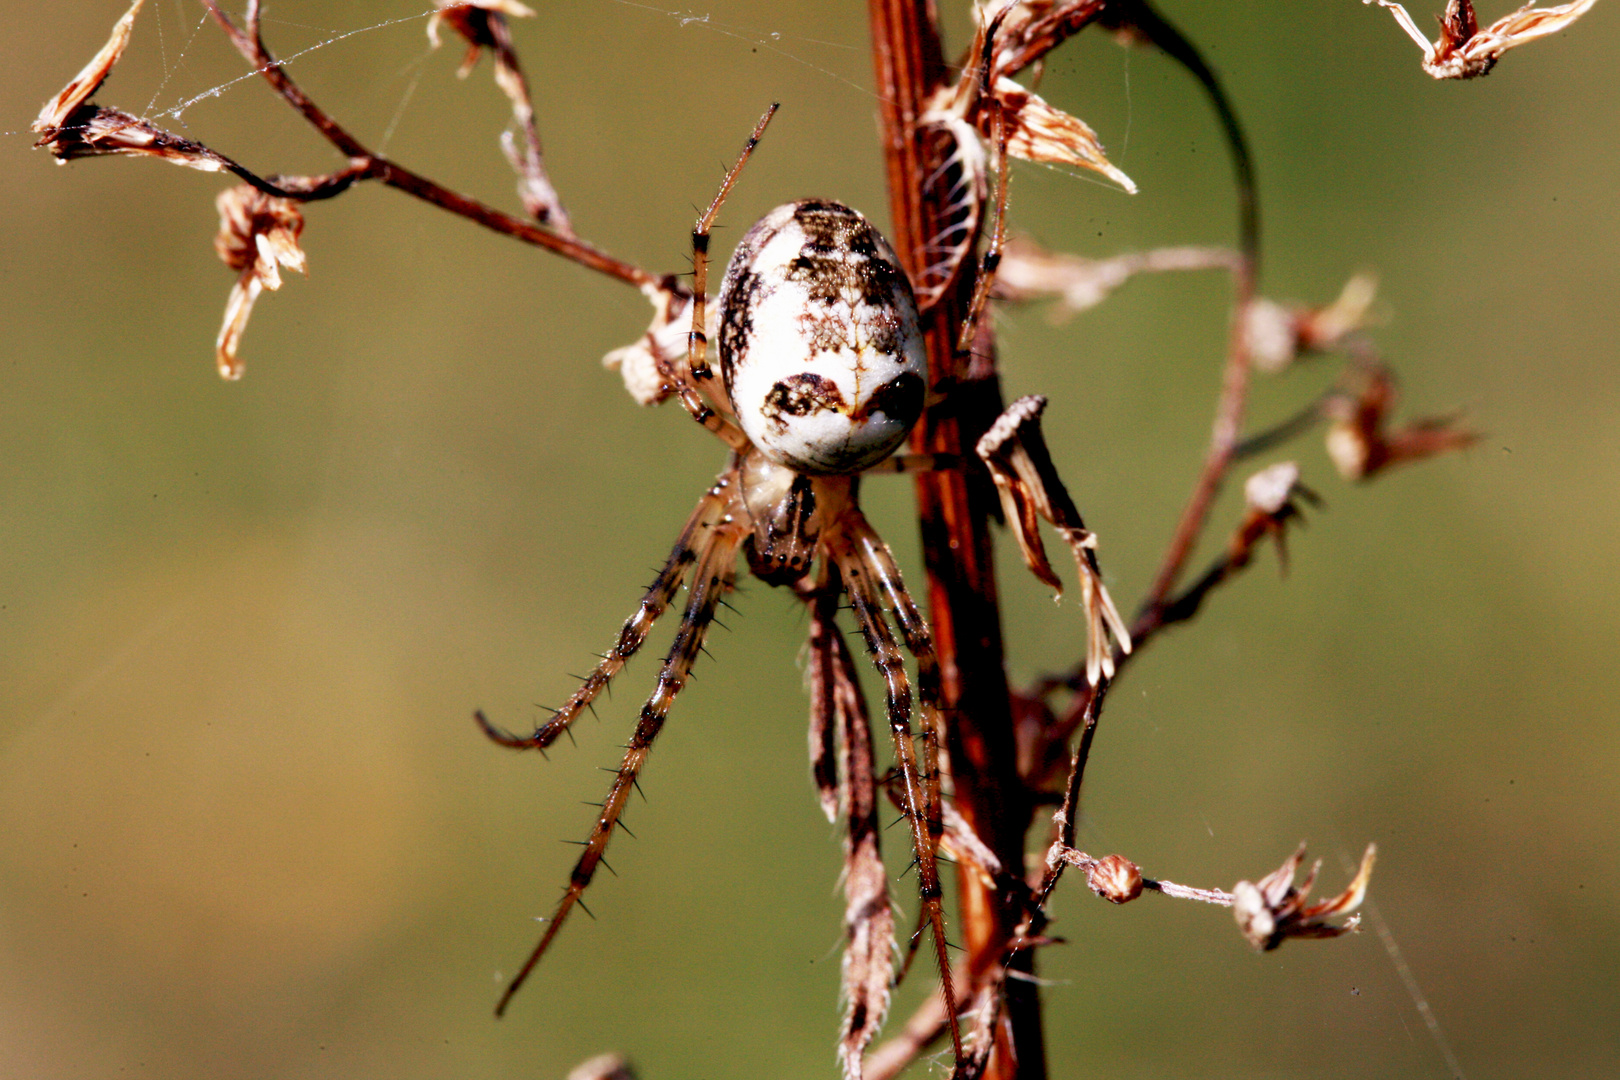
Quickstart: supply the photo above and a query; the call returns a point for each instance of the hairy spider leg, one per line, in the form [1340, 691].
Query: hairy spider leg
[713, 577]
[873, 583]
[710, 511]
[697, 348]
[914, 631]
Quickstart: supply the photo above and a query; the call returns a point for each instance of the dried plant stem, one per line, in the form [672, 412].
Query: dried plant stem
[1228, 426]
[366, 165]
[954, 516]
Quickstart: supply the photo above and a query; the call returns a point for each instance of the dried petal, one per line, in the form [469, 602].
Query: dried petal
[1038, 132]
[238, 306]
[1463, 51]
[78, 90]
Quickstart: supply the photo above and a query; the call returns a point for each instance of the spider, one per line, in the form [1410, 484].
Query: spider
[822, 374]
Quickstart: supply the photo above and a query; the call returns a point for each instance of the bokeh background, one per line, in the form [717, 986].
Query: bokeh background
[249, 828]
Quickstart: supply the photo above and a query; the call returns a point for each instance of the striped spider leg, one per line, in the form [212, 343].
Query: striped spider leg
[706, 552]
[823, 373]
[873, 582]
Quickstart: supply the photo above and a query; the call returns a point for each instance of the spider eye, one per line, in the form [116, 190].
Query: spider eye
[820, 346]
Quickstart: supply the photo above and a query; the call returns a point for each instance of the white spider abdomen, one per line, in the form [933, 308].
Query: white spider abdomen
[820, 347]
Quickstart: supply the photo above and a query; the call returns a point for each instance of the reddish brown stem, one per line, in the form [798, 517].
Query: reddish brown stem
[954, 511]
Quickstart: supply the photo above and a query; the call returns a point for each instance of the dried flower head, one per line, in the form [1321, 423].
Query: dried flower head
[93, 131]
[1358, 443]
[1273, 909]
[648, 365]
[1464, 51]
[1272, 496]
[1278, 334]
[603, 1067]
[478, 21]
[258, 234]
[1115, 878]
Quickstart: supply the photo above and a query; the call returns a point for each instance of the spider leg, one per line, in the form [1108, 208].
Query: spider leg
[914, 630]
[714, 576]
[873, 582]
[695, 536]
[697, 354]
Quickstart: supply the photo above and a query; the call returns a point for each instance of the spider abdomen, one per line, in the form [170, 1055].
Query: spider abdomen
[820, 347]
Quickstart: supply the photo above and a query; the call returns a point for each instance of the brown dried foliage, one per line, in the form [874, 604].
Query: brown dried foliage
[1008, 753]
[1464, 51]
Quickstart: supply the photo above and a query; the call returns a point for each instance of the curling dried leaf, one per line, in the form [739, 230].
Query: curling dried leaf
[1038, 132]
[868, 964]
[957, 185]
[1014, 450]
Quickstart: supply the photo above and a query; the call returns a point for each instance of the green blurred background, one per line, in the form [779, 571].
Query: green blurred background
[249, 828]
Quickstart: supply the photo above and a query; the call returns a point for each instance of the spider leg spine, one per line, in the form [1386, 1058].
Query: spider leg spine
[715, 571]
[697, 347]
[855, 546]
[696, 534]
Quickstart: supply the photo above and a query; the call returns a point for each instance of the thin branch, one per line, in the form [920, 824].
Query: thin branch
[1187, 892]
[373, 166]
[1235, 380]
